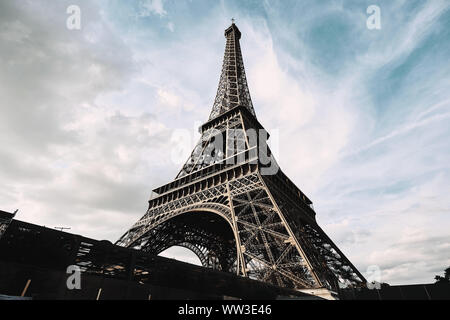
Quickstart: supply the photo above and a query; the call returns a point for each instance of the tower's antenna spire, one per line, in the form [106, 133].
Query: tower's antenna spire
[232, 20]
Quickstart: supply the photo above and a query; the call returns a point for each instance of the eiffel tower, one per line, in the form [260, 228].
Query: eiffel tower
[234, 208]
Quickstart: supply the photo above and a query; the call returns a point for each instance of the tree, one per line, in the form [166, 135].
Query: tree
[445, 278]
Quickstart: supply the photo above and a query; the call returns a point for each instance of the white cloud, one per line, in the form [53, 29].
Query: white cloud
[14, 31]
[168, 98]
[406, 37]
[149, 7]
[67, 158]
[373, 190]
[314, 121]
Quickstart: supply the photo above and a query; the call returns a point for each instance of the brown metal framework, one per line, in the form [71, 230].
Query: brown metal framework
[232, 215]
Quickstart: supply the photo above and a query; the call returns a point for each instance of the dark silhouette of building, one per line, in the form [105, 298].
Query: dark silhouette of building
[34, 263]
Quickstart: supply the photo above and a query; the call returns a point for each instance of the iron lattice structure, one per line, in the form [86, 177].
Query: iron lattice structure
[234, 211]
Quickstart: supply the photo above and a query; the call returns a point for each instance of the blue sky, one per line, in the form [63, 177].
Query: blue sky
[361, 116]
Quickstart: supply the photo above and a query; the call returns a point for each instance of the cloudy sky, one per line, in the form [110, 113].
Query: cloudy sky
[89, 117]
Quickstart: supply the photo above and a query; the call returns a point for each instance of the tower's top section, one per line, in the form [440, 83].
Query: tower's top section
[233, 28]
[233, 88]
